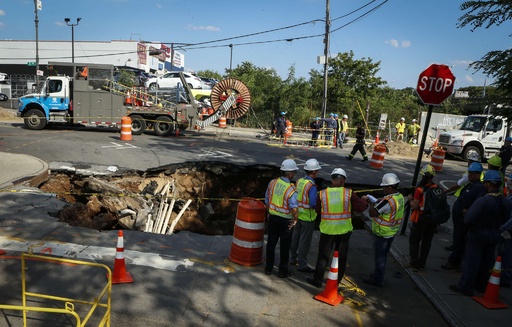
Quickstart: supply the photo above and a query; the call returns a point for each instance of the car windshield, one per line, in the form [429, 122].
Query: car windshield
[473, 124]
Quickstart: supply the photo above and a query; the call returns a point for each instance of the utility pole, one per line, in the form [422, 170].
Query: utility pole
[38, 5]
[230, 59]
[326, 54]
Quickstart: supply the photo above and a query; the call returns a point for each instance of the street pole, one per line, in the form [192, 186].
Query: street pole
[67, 20]
[326, 55]
[422, 145]
[37, 41]
[230, 59]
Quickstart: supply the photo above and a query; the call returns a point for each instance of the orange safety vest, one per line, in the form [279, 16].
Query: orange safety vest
[415, 215]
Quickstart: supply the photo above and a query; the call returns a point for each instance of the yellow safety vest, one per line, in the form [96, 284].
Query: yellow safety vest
[279, 192]
[414, 129]
[336, 218]
[388, 224]
[345, 126]
[306, 213]
[400, 127]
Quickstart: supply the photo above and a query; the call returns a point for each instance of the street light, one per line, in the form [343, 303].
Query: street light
[67, 20]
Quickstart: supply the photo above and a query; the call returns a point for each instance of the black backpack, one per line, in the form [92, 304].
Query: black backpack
[436, 209]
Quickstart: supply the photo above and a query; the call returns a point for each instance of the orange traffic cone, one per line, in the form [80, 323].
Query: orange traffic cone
[330, 294]
[377, 138]
[120, 275]
[435, 144]
[490, 299]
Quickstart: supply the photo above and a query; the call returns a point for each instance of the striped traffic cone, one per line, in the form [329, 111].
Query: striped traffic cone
[330, 294]
[491, 300]
[120, 275]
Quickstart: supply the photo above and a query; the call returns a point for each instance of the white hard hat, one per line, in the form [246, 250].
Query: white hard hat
[312, 164]
[402, 118]
[289, 165]
[414, 120]
[389, 179]
[345, 117]
[473, 156]
[339, 171]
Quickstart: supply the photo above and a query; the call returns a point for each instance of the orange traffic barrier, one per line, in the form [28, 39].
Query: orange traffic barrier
[222, 122]
[377, 159]
[377, 141]
[437, 159]
[491, 300]
[120, 275]
[288, 129]
[247, 245]
[434, 145]
[126, 128]
[330, 294]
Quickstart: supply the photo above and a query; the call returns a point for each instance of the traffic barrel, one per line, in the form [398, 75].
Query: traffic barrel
[437, 159]
[247, 244]
[222, 122]
[377, 159]
[126, 128]
[288, 129]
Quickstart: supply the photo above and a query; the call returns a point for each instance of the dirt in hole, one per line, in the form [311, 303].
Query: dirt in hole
[134, 200]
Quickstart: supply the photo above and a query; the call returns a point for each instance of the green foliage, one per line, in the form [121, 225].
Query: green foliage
[127, 78]
[209, 74]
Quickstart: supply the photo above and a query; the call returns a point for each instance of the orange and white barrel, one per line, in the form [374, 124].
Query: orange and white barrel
[126, 128]
[288, 130]
[222, 122]
[377, 160]
[247, 244]
[437, 159]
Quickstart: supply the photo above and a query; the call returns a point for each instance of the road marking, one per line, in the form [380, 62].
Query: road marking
[95, 253]
[215, 154]
[118, 146]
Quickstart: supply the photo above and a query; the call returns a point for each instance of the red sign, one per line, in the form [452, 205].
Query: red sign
[435, 84]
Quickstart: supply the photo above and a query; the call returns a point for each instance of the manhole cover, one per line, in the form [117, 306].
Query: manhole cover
[9, 222]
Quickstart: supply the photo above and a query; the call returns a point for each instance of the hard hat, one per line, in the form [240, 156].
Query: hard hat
[492, 176]
[428, 170]
[331, 114]
[473, 156]
[508, 139]
[345, 117]
[389, 179]
[339, 171]
[414, 120]
[317, 118]
[475, 167]
[402, 118]
[283, 113]
[335, 115]
[312, 164]
[289, 165]
[495, 160]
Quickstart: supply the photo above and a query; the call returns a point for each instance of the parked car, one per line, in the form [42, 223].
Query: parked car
[206, 83]
[4, 78]
[3, 97]
[171, 79]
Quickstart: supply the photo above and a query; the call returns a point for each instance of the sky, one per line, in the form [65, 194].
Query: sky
[405, 36]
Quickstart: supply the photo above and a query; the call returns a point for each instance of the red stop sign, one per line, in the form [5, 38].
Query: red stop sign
[435, 84]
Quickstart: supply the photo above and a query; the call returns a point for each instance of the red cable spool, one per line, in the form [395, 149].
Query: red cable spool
[225, 88]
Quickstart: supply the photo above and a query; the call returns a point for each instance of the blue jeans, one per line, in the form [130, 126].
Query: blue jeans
[381, 248]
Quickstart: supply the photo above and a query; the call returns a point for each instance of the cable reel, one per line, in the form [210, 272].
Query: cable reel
[225, 88]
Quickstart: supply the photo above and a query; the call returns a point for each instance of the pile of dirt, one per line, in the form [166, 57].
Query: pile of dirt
[401, 149]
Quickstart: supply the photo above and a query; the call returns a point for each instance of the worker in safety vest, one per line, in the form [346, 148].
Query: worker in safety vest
[495, 163]
[386, 217]
[400, 129]
[422, 232]
[303, 231]
[412, 132]
[281, 202]
[334, 205]
[343, 130]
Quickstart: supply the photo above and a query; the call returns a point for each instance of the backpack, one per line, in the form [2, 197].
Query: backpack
[436, 209]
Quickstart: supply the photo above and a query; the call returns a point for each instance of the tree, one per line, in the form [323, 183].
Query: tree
[498, 63]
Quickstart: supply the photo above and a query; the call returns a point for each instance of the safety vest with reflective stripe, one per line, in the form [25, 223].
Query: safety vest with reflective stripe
[400, 127]
[344, 126]
[336, 217]
[387, 224]
[279, 192]
[306, 213]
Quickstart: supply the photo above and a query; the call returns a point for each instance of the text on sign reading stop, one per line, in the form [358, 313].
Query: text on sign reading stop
[435, 84]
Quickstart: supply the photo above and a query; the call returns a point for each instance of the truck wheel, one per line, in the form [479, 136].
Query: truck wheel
[163, 126]
[470, 149]
[35, 119]
[138, 124]
[152, 87]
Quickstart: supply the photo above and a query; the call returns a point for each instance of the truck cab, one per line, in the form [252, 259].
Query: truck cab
[480, 134]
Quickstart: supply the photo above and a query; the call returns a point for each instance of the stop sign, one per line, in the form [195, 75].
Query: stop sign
[435, 84]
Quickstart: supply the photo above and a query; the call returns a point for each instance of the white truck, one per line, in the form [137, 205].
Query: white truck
[481, 134]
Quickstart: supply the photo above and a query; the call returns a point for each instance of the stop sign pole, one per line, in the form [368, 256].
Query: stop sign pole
[435, 84]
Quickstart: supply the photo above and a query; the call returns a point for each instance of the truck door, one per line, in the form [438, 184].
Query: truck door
[55, 95]
[493, 134]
